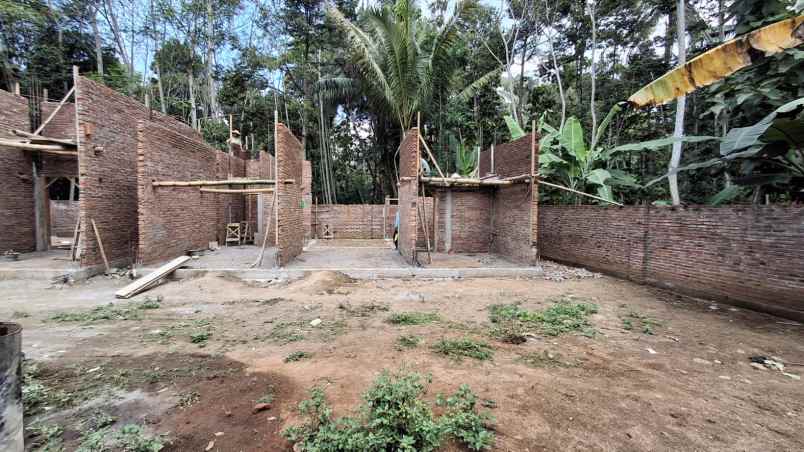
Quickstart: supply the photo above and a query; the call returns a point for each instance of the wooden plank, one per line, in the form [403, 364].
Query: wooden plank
[258, 262]
[151, 278]
[76, 234]
[100, 245]
[53, 113]
[236, 190]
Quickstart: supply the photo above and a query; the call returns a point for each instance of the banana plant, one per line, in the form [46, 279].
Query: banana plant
[465, 155]
[564, 156]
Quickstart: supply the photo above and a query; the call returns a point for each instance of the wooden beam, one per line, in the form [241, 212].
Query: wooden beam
[53, 113]
[76, 235]
[204, 183]
[100, 246]
[24, 134]
[561, 187]
[25, 145]
[236, 191]
[152, 278]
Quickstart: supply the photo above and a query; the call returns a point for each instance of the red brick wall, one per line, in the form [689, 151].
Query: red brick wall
[470, 213]
[63, 124]
[54, 165]
[749, 255]
[231, 208]
[63, 215]
[107, 148]
[408, 194]
[512, 237]
[16, 183]
[263, 167]
[173, 220]
[354, 221]
[289, 210]
[510, 159]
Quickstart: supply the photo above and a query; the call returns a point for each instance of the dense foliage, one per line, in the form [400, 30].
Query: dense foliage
[349, 76]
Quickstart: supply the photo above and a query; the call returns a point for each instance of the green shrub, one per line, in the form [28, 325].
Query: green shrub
[564, 316]
[466, 347]
[393, 417]
[412, 318]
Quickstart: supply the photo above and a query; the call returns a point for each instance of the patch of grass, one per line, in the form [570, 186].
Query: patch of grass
[36, 396]
[644, 323]
[364, 310]
[45, 437]
[111, 311]
[200, 338]
[466, 347]
[393, 416]
[97, 420]
[286, 332]
[151, 303]
[188, 399]
[564, 316]
[130, 438]
[408, 341]
[412, 318]
[544, 359]
[297, 356]
[268, 397]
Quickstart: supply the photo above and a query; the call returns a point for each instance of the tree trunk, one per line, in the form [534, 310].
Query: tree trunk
[678, 131]
[98, 49]
[118, 36]
[213, 95]
[193, 113]
[161, 89]
[593, 138]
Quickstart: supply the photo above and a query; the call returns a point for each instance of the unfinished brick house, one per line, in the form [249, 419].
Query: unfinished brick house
[145, 183]
[494, 214]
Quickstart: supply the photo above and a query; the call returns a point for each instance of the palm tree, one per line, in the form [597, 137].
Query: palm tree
[399, 57]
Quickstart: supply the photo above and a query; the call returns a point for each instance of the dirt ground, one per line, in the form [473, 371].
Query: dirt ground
[684, 382]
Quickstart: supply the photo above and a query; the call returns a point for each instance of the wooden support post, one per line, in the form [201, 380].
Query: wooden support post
[53, 113]
[17, 88]
[76, 235]
[100, 246]
[41, 213]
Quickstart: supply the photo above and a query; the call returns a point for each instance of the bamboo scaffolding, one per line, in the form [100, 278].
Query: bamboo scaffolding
[245, 191]
[203, 183]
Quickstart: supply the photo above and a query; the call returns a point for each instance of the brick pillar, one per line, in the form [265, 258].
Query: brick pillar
[408, 194]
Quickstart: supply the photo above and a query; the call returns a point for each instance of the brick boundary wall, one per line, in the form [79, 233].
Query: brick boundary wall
[289, 210]
[513, 209]
[354, 221]
[16, 181]
[107, 159]
[408, 194]
[751, 256]
[63, 215]
[173, 220]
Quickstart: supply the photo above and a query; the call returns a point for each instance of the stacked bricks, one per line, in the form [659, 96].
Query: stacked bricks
[173, 220]
[408, 194]
[107, 160]
[16, 181]
[356, 221]
[289, 209]
[510, 159]
[748, 255]
[63, 124]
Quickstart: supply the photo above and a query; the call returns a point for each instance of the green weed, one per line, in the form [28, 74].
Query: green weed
[408, 341]
[645, 323]
[200, 338]
[564, 316]
[544, 359]
[36, 395]
[466, 347]
[365, 310]
[286, 332]
[412, 318]
[297, 356]
[188, 399]
[110, 311]
[393, 416]
[45, 437]
[130, 438]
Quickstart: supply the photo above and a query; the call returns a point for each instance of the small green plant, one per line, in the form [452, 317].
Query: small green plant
[297, 356]
[408, 341]
[645, 323]
[130, 438]
[393, 416]
[188, 399]
[544, 359]
[412, 318]
[151, 303]
[36, 395]
[365, 310]
[466, 347]
[286, 332]
[200, 338]
[268, 397]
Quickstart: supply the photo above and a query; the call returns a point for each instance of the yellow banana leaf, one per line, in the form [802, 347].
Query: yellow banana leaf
[720, 62]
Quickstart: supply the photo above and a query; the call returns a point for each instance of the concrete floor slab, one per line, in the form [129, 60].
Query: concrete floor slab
[39, 265]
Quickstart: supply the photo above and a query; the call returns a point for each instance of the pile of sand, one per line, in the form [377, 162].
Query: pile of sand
[323, 281]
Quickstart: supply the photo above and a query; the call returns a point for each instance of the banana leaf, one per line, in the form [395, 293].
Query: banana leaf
[720, 62]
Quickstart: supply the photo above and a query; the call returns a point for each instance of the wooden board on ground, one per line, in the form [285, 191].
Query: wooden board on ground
[147, 281]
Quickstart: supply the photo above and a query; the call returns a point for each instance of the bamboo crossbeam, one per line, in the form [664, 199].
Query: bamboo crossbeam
[452, 181]
[205, 183]
[561, 187]
[236, 191]
[26, 145]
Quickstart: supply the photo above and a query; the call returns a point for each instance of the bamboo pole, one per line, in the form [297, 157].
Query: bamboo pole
[25, 146]
[561, 187]
[258, 262]
[236, 191]
[53, 113]
[100, 245]
[203, 183]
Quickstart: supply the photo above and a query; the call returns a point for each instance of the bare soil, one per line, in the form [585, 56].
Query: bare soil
[684, 383]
